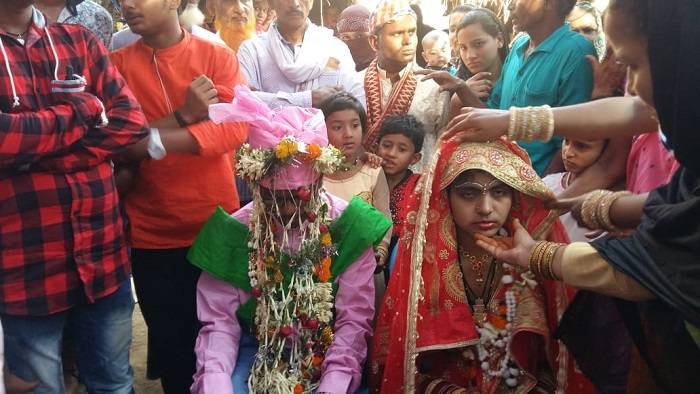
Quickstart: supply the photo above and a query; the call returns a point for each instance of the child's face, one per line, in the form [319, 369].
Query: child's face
[578, 155]
[437, 52]
[398, 153]
[480, 203]
[345, 132]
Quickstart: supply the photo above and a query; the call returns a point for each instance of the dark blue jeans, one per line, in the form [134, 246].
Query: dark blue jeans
[102, 336]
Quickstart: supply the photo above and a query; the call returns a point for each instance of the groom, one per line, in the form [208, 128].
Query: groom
[296, 62]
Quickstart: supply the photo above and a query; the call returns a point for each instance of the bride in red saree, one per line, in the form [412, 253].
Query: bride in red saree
[454, 320]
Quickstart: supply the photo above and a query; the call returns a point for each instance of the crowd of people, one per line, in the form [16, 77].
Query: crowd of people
[310, 196]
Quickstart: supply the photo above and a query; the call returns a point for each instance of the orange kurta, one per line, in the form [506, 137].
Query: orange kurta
[172, 198]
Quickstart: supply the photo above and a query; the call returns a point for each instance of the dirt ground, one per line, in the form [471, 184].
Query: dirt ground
[139, 342]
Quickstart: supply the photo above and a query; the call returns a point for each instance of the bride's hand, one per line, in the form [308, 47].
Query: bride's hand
[477, 125]
[515, 253]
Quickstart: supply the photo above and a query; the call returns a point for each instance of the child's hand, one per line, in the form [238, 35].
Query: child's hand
[373, 160]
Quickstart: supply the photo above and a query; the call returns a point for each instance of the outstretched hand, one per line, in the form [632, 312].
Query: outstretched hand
[477, 125]
[446, 81]
[515, 251]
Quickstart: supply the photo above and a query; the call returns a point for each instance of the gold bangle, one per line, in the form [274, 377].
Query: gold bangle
[604, 211]
[549, 260]
[549, 131]
[535, 257]
[523, 122]
[544, 128]
[512, 123]
[589, 208]
[542, 258]
[545, 258]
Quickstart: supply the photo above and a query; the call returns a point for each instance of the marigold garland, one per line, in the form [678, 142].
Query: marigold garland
[253, 164]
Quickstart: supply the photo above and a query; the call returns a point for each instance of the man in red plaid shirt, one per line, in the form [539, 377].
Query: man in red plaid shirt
[64, 111]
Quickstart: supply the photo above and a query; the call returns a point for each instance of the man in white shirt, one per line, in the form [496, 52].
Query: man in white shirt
[296, 62]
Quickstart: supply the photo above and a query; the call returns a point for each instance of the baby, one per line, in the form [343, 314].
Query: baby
[436, 50]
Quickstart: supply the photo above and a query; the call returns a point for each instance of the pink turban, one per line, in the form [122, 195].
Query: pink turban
[267, 127]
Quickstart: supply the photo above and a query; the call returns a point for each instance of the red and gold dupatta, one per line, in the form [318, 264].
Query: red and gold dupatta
[424, 310]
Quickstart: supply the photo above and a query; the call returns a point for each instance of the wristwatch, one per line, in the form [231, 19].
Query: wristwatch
[178, 117]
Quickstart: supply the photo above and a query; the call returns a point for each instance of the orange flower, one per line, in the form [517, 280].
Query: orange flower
[326, 239]
[314, 151]
[318, 360]
[502, 309]
[299, 389]
[323, 271]
[498, 322]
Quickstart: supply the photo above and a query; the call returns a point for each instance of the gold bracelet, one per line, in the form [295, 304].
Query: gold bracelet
[604, 210]
[535, 257]
[549, 260]
[523, 123]
[549, 127]
[512, 123]
[589, 209]
[543, 260]
[587, 213]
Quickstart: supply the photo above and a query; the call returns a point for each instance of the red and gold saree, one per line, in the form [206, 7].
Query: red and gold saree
[425, 333]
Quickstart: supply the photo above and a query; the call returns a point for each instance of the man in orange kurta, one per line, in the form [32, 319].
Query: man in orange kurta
[175, 76]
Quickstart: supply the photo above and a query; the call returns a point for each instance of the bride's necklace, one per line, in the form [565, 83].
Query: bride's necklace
[477, 264]
[478, 303]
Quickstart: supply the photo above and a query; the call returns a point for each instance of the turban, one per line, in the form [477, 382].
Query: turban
[388, 11]
[267, 127]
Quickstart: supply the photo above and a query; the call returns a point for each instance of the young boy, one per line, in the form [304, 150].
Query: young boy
[400, 144]
[436, 50]
[577, 155]
[266, 301]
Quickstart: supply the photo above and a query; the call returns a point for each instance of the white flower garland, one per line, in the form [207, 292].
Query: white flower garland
[293, 321]
[252, 164]
[494, 343]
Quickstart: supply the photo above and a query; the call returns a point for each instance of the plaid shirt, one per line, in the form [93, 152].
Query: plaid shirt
[61, 236]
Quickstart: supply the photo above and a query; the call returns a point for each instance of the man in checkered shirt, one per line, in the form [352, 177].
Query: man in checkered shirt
[65, 111]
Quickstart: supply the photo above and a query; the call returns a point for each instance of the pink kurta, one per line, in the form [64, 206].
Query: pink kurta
[217, 343]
